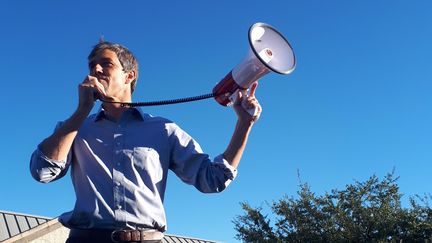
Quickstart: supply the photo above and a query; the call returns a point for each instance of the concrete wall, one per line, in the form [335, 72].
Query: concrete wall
[49, 232]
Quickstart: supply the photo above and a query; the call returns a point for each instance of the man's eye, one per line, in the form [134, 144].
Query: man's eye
[107, 64]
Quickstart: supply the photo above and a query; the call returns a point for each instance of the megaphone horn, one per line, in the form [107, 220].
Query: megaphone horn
[269, 51]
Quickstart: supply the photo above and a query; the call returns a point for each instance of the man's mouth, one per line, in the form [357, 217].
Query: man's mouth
[100, 78]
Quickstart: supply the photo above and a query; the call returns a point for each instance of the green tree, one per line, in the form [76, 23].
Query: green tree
[367, 211]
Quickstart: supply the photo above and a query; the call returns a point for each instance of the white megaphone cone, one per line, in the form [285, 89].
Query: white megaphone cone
[269, 51]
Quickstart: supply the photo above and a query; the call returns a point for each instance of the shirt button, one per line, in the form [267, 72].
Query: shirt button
[119, 206]
[117, 183]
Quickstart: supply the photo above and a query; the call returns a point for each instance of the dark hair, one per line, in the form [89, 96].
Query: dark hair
[126, 58]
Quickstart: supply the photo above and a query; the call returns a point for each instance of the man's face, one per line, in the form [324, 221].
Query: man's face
[107, 68]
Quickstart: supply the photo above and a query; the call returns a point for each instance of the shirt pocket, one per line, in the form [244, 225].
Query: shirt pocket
[147, 160]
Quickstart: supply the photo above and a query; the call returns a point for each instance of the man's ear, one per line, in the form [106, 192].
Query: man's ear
[130, 76]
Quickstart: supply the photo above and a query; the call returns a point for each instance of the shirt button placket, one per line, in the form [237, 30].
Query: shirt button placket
[118, 174]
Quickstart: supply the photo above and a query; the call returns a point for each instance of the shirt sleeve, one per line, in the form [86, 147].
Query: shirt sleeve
[194, 167]
[44, 169]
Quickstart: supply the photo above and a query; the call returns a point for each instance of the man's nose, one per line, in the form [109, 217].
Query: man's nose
[97, 69]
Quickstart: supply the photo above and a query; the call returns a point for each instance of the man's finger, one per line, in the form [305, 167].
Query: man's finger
[94, 83]
[253, 88]
[100, 88]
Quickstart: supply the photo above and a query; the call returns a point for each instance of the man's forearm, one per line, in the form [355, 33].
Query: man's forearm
[237, 145]
[57, 145]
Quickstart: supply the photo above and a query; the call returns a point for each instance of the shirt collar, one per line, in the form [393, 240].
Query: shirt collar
[135, 112]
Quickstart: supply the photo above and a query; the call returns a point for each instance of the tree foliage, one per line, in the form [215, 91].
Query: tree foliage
[367, 211]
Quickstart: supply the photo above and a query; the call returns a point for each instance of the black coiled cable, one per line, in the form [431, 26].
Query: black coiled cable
[163, 102]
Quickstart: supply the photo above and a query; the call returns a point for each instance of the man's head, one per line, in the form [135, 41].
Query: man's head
[126, 58]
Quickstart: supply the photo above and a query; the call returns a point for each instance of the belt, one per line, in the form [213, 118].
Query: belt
[126, 235]
[121, 235]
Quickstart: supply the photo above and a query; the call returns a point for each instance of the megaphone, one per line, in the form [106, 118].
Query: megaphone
[269, 51]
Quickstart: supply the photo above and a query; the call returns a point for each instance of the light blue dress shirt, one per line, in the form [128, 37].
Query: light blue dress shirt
[119, 170]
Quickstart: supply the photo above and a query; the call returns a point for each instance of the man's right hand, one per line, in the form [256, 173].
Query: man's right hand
[90, 90]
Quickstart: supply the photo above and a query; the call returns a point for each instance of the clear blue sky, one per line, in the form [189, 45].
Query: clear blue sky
[357, 104]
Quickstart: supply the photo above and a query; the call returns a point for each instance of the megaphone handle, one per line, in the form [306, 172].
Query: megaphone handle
[252, 111]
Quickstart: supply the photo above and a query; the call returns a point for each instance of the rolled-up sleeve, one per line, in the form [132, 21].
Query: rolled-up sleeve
[44, 169]
[226, 173]
[194, 167]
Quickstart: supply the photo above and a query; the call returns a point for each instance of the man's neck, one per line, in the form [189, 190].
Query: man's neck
[115, 110]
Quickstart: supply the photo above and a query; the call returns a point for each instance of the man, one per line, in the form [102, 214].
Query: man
[120, 156]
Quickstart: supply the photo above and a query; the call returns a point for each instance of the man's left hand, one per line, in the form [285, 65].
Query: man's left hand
[244, 103]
